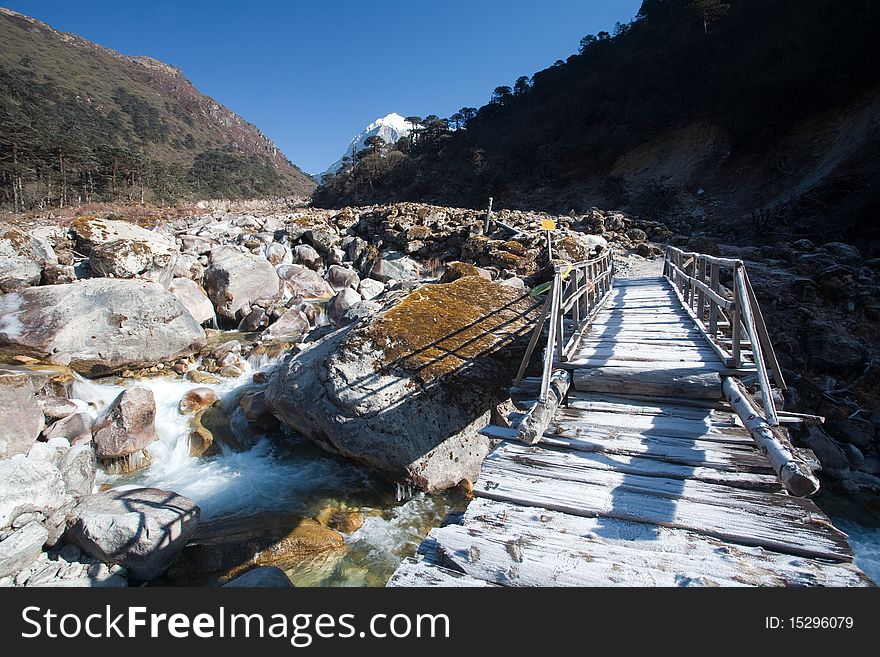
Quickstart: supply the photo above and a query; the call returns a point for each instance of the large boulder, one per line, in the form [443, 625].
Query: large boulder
[142, 529]
[396, 266]
[305, 283]
[193, 298]
[407, 391]
[20, 416]
[152, 260]
[340, 304]
[235, 278]
[21, 548]
[92, 232]
[22, 259]
[261, 577]
[33, 487]
[102, 325]
[127, 425]
[292, 324]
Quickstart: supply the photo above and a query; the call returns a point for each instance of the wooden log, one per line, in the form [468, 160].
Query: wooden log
[691, 382]
[794, 475]
[536, 421]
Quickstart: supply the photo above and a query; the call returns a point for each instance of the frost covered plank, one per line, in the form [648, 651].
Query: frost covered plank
[773, 521]
[657, 425]
[658, 462]
[521, 546]
[412, 573]
[704, 455]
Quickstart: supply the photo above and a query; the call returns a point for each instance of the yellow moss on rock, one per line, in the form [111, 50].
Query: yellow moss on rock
[439, 328]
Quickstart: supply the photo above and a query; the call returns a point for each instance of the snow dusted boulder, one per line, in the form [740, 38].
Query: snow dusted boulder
[236, 278]
[142, 529]
[102, 325]
[407, 391]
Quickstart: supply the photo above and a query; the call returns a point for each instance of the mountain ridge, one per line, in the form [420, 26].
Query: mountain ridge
[62, 90]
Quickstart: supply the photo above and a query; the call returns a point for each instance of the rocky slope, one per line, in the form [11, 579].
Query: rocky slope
[83, 122]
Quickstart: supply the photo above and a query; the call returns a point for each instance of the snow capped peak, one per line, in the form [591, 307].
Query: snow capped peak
[390, 128]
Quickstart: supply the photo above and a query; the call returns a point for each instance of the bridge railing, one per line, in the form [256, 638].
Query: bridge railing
[576, 293]
[728, 316]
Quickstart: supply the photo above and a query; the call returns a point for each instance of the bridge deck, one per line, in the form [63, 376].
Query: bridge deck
[635, 488]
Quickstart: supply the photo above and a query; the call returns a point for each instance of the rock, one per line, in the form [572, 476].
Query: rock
[803, 245]
[261, 577]
[78, 470]
[21, 548]
[222, 350]
[127, 425]
[255, 320]
[202, 377]
[193, 244]
[152, 259]
[28, 486]
[230, 372]
[256, 411]
[456, 270]
[193, 298]
[360, 310]
[195, 400]
[142, 529]
[370, 288]
[235, 279]
[228, 546]
[278, 254]
[335, 257]
[843, 252]
[59, 274]
[346, 521]
[342, 277]
[399, 268]
[322, 240]
[91, 232]
[56, 408]
[22, 259]
[636, 235]
[354, 248]
[103, 325]
[76, 428]
[514, 282]
[20, 416]
[304, 283]
[291, 324]
[339, 304]
[838, 282]
[305, 255]
[408, 391]
[44, 452]
[854, 430]
[189, 267]
[833, 459]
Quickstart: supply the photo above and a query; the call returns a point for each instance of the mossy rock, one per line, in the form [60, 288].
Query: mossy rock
[456, 270]
[439, 329]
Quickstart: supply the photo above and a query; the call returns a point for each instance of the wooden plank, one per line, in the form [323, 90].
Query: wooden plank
[646, 353]
[661, 457]
[515, 546]
[413, 573]
[772, 521]
[694, 382]
[572, 428]
[657, 425]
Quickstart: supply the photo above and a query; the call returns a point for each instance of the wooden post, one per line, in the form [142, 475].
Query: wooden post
[536, 421]
[701, 296]
[735, 326]
[488, 218]
[536, 334]
[715, 285]
[551, 339]
[794, 475]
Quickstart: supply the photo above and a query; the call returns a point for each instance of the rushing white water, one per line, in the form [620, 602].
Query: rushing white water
[278, 472]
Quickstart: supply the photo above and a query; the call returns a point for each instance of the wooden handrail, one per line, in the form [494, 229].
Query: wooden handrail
[708, 303]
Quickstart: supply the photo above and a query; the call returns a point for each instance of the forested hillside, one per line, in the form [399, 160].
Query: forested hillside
[82, 123]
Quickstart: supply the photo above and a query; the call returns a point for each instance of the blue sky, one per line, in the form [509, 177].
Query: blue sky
[312, 74]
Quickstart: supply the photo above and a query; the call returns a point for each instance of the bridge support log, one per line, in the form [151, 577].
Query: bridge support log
[794, 475]
[536, 421]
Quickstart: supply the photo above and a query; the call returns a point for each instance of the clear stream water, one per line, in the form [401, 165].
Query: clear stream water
[278, 473]
[282, 473]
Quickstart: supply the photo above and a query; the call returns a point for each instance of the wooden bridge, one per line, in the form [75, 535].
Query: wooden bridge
[649, 452]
